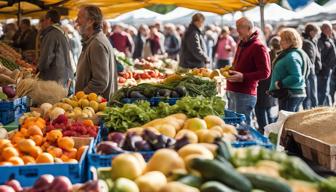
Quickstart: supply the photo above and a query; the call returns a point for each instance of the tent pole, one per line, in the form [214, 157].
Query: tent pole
[19, 13]
[262, 15]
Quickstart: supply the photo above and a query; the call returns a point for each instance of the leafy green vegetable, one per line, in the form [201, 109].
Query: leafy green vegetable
[139, 113]
[328, 184]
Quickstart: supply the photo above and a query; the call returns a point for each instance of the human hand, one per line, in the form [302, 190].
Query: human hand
[235, 76]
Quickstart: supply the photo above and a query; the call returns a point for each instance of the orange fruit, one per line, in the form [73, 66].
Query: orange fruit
[45, 146]
[16, 161]
[45, 158]
[55, 151]
[40, 121]
[9, 152]
[72, 153]
[26, 145]
[58, 160]
[6, 163]
[5, 143]
[66, 143]
[88, 122]
[71, 161]
[54, 135]
[28, 159]
[36, 151]
[24, 132]
[18, 136]
[34, 130]
[92, 97]
[64, 158]
[38, 139]
[80, 152]
[80, 94]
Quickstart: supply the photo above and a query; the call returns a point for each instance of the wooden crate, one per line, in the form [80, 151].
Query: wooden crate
[316, 150]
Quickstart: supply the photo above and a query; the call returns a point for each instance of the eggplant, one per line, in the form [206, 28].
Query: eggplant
[181, 90]
[9, 91]
[137, 95]
[149, 135]
[174, 94]
[170, 142]
[131, 139]
[142, 146]
[108, 147]
[181, 142]
[164, 92]
[117, 137]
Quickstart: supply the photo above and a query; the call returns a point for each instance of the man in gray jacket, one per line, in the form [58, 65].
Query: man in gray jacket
[193, 52]
[96, 69]
[54, 62]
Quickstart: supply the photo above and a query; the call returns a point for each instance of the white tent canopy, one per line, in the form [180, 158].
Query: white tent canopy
[330, 7]
[137, 17]
[273, 12]
[310, 10]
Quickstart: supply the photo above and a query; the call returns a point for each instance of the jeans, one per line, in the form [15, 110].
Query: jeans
[311, 89]
[323, 86]
[222, 63]
[291, 103]
[242, 103]
[264, 117]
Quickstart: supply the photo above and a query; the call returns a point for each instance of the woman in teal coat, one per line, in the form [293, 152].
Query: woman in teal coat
[290, 72]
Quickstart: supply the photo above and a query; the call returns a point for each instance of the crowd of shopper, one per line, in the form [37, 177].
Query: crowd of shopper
[286, 67]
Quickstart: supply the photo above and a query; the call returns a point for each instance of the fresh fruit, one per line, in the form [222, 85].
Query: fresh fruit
[36, 151]
[192, 137]
[167, 130]
[54, 135]
[4, 143]
[61, 183]
[16, 161]
[171, 158]
[34, 130]
[94, 105]
[195, 124]
[177, 187]
[125, 185]
[43, 183]
[195, 149]
[6, 188]
[71, 153]
[66, 143]
[80, 94]
[28, 159]
[213, 120]
[93, 97]
[84, 103]
[26, 145]
[9, 152]
[15, 184]
[80, 152]
[127, 166]
[151, 181]
[45, 158]
[38, 139]
[102, 106]
[55, 151]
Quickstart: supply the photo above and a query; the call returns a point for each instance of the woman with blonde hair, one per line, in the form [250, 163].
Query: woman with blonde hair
[291, 69]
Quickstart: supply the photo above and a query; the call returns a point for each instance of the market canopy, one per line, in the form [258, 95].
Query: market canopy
[113, 8]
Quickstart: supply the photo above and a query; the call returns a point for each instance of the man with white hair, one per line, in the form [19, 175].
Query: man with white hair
[251, 64]
[327, 49]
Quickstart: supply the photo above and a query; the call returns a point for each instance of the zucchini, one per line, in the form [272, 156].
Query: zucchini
[296, 168]
[266, 183]
[224, 161]
[215, 186]
[223, 149]
[191, 180]
[214, 170]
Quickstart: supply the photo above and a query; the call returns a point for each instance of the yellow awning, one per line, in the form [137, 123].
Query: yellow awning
[113, 8]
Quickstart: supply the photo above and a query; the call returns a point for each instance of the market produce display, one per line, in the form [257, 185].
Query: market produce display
[33, 144]
[174, 86]
[126, 79]
[10, 58]
[50, 183]
[139, 113]
[7, 92]
[196, 168]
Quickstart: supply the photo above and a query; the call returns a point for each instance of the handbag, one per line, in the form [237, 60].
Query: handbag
[282, 93]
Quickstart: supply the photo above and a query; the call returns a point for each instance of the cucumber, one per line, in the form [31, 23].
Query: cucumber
[224, 161]
[215, 186]
[223, 149]
[266, 183]
[214, 170]
[296, 168]
[191, 180]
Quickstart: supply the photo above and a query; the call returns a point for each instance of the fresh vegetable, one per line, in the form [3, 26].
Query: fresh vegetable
[125, 185]
[9, 91]
[128, 166]
[108, 147]
[214, 186]
[266, 183]
[151, 181]
[15, 184]
[191, 180]
[328, 184]
[43, 183]
[61, 183]
[139, 113]
[214, 170]
[177, 187]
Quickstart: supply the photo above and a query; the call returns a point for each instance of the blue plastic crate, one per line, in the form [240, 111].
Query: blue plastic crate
[233, 118]
[28, 174]
[12, 110]
[259, 139]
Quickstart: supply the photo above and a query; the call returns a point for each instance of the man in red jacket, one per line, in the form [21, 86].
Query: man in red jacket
[251, 64]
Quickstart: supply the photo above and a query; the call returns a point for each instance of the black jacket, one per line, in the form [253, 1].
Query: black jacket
[139, 45]
[310, 47]
[172, 44]
[26, 40]
[193, 52]
[327, 49]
